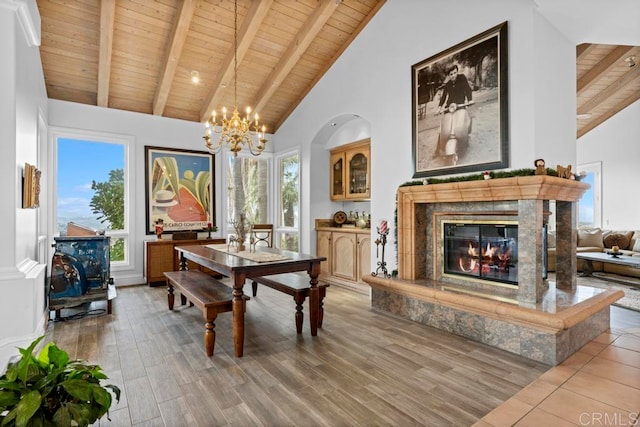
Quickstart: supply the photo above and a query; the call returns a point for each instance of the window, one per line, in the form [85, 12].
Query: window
[247, 189]
[288, 226]
[590, 205]
[91, 188]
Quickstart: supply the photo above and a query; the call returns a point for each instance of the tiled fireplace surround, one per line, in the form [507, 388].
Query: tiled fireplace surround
[541, 320]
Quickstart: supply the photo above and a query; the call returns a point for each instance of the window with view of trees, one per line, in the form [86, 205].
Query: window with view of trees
[287, 230]
[91, 188]
[248, 188]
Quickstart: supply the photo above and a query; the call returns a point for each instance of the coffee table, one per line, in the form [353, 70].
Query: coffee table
[589, 257]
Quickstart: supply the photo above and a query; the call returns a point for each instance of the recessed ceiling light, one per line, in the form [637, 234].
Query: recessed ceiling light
[334, 124]
[195, 77]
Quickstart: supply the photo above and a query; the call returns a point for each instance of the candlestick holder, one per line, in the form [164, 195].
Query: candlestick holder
[381, 241]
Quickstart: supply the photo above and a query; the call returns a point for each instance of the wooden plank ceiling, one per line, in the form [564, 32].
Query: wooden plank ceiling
[139, 55]
[608, 81]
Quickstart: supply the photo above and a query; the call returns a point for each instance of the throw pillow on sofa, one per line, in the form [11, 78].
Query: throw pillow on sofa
[621, 240]
[591, 237]
[633, 243]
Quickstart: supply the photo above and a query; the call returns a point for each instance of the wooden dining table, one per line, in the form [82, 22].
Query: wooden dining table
[239, 268]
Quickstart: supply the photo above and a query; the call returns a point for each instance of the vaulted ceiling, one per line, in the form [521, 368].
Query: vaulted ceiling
[608, 81]
[140, 55]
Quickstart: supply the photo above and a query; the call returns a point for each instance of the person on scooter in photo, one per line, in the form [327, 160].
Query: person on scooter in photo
[455, 91]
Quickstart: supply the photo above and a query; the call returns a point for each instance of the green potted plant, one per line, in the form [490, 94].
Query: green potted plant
[51, 390]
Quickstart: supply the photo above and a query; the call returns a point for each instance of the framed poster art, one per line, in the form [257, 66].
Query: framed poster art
[31, 187]
[179, 188]
[460, 107]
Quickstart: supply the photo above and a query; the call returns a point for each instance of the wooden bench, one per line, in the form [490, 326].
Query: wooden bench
[296, 285]
[205, 292]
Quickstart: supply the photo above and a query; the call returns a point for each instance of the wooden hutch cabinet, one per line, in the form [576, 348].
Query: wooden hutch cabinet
[351, 171]
[161, 256]
[348, 253]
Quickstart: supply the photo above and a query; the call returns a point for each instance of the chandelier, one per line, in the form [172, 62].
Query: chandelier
[235, 131]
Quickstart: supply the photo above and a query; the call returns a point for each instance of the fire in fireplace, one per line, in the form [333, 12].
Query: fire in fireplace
[486, 251]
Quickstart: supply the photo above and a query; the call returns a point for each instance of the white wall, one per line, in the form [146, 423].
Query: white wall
[372, 79]
[616, 143]
[22, 103]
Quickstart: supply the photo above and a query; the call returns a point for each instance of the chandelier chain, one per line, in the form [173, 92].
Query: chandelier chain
[235, 131]
[235, 54]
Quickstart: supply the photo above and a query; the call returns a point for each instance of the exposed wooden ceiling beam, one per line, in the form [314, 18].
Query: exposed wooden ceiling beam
[246, 34]
[294, 51]
[602, 67]
[330, 63]
[107, 18]
[584, 49]
[611, 90]
[610, 113]
[180, 30]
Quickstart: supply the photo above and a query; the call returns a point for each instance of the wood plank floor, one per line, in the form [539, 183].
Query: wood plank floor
[364, 367]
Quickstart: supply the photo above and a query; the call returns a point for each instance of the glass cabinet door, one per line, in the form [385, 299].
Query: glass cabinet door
[358, 174]
[351, 171]
[337, 176]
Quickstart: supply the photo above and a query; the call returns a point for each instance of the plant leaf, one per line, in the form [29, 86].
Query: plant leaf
[63, 416]
[79, 389]
[10, 418]
[82, 414]
[8, 399]
[57, 357]
[115, 390]
[28, 406]
[103, 398]
[9, 385]
[27, 359]
[43, 356]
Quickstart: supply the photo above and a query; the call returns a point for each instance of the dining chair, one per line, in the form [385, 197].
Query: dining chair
[262, 235]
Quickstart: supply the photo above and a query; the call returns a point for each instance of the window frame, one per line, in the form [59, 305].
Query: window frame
[127, 141]
[278, 228]
[596, 169]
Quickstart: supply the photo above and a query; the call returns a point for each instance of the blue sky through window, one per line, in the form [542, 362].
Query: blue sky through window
[586, 204]
[79, 163]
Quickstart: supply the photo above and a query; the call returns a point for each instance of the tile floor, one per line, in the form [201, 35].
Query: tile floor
[597, 386]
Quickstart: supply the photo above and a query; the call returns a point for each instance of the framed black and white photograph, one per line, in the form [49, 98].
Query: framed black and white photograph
[179, 189]
[460, 107]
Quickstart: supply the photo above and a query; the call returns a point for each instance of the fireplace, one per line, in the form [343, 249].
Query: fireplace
[481, 251]
[507, 304]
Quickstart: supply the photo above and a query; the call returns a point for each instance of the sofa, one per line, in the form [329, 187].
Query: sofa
[598, 240]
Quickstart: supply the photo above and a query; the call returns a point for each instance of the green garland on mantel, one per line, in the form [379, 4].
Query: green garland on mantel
[480, 176]
[475, 177]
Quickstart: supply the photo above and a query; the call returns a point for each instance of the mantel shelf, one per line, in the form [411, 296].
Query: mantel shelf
[537, 187]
